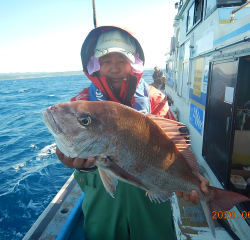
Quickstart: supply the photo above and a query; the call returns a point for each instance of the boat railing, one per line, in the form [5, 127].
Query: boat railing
[238, 9]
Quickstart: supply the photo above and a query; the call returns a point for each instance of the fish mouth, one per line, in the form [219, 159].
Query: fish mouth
[60, 136]
[51, 122]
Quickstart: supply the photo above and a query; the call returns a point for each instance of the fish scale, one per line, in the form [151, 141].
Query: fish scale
[143, 150]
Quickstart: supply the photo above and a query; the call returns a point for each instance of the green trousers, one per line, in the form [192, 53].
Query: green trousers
[129, 215]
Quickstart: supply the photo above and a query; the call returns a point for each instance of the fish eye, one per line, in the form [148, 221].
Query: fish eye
[85, 121]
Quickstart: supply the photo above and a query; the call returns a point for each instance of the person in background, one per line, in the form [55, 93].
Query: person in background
[113, 60]
[159, 79]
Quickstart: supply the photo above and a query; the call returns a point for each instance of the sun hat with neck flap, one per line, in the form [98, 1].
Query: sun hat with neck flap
[90, 42]
[128, 87]
[116, 41]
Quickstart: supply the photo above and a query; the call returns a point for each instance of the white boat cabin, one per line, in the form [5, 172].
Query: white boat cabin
[208, 79]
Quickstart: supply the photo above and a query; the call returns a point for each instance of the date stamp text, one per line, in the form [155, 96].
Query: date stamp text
[227, 214]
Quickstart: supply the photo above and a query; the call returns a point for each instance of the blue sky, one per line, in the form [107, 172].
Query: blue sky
[47, 35]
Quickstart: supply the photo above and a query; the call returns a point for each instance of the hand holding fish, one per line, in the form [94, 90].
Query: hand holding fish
[74, 162]
[194, 196]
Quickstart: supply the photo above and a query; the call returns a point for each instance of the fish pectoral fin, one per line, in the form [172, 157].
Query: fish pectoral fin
[124, 176]
[108, 181]
[112, 172]
[158, 196]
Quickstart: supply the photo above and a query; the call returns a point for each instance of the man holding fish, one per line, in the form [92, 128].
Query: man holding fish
[113, 60]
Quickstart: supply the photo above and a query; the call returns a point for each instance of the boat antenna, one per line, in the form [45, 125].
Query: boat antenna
[94, 14]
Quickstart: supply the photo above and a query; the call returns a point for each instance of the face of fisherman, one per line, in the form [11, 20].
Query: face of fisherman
[116, 67]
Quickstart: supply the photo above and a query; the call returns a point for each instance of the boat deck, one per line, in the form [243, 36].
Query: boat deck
[63, 218]
[190, 222]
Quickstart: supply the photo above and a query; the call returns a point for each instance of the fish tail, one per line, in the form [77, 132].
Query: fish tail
[219, 200]
[208, 214]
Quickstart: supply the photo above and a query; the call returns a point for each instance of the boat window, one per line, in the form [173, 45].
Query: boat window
[229, 2]
[194, 14]
[223, 74]
[197, 13]
[182, 86]
[190, 19]
[170, 74]
[212, 5]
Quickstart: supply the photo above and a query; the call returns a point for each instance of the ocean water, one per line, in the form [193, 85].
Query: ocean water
[30, 173]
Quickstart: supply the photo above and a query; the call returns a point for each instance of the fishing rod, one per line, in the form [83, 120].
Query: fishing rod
[94, 14]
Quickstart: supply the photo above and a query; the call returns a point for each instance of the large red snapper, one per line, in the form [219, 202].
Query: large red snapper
[144, 150]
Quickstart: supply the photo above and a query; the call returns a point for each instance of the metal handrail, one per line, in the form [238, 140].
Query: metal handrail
[238, 9]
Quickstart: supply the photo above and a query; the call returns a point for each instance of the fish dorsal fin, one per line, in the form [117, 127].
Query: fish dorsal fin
[172, 129]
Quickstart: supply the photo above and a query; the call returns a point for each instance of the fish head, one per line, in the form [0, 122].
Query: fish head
[81, 128]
